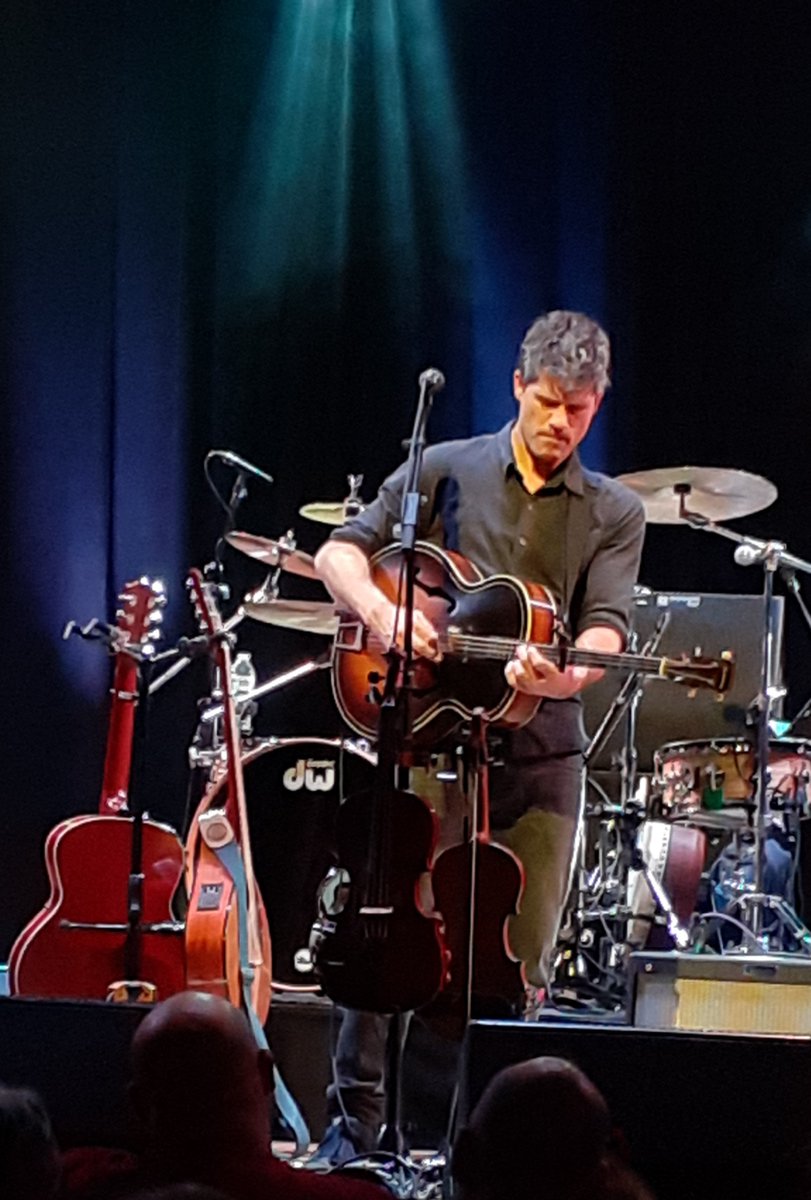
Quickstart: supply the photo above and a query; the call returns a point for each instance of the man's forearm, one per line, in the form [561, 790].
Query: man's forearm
[344, 568]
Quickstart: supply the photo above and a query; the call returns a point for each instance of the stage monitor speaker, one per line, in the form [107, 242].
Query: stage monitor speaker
[668, 712]
[704, 1115]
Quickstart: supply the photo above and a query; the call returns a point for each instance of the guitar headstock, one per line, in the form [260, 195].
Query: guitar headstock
[716, 674]
[139, 617]
[205, 596]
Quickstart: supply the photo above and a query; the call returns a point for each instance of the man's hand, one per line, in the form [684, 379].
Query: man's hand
[380, 619]
[530, 672]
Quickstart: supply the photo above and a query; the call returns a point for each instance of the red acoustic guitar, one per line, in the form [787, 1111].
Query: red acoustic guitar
[480, 622]
[80, 944]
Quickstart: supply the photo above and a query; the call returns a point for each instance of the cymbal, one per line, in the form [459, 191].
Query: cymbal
[311, 616]
[273, 554]
[327, 513]
[717, 493]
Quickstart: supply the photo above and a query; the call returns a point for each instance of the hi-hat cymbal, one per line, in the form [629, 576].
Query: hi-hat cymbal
[327, 513]
[311, 616]
[717, 493]
[274, 554]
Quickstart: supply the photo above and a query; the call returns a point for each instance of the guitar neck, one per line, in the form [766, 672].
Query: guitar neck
[708, 673]
[118, 755]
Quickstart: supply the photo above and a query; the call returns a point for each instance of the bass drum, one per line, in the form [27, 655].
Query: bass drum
[293, 790]
[675, 855]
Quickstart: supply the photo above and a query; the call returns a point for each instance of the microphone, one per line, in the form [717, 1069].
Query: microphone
[233, 460]
[432, 380]
[747, 556]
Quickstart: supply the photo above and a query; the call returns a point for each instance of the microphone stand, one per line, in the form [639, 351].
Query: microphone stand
[395, 732]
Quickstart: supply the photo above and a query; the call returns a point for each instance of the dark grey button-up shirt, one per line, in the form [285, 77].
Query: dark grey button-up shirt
[580, 535]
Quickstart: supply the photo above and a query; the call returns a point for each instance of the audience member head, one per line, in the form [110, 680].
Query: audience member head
[29, 1155]
[540, 1130]
[200, 1084]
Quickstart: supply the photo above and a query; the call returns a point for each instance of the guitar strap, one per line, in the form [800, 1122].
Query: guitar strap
[230, 856]
[578, 527]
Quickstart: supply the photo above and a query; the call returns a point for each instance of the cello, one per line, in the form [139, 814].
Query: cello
[477, 886]
[227, 933]
[107, 930]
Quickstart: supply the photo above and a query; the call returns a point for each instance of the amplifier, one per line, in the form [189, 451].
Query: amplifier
[730, 993]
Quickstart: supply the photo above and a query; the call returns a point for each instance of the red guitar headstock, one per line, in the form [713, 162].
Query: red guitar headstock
[139, 617]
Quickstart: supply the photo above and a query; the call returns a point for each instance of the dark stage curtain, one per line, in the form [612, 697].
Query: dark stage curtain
[252, 224]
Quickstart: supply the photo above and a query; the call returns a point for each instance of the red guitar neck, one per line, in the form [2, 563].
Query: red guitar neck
[118, 756]
[139, 600]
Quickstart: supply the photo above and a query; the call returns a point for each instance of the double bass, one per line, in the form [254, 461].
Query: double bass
[108, 923]
[227, 934]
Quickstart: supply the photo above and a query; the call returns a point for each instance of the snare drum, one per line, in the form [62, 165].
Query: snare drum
[293, 790]
[711, 783]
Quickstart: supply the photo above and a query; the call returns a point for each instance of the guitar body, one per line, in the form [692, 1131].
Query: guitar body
[89, 860]
[455, 597]
[88, 864]
[393, 962]
[213, 931]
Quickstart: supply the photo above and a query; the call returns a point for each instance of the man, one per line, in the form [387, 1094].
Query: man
[202, 1090]
[29, 1156]
[517, 501]
[541, 1129]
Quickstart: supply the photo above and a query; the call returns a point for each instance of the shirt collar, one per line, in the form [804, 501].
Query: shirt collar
[569, 474]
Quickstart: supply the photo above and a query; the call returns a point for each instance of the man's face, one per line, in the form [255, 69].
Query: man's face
[552, 421]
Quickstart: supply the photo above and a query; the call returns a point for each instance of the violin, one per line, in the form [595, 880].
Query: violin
[228, 950]
[107, 929]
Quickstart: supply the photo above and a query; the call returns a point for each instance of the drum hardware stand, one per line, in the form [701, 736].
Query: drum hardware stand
[773, 556]
[278, 681]
[627, 816]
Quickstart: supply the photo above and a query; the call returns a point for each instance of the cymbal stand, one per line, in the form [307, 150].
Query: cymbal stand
[772, 556]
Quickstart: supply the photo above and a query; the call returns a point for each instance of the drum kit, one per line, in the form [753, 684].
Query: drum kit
[700, 853]
[710, 817]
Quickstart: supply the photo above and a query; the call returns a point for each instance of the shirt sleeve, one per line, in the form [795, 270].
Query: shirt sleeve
[611, 574]
[379, 524]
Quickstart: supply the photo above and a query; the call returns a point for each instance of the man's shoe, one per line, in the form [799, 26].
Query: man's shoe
[337, 1146]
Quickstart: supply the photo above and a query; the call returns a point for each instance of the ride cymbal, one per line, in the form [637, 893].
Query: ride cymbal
[311, 616]
[273, 554]
[717, 493]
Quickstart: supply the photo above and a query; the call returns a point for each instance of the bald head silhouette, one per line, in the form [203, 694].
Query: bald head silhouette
[540, 1129]
[200, 1083]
